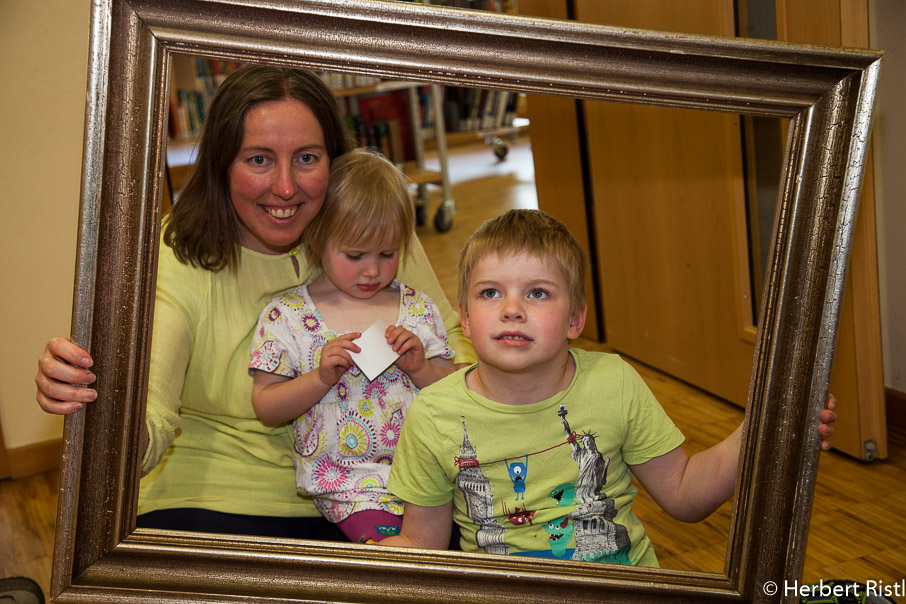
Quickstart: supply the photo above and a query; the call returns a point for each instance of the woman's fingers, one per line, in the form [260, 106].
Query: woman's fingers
[62, 370]
[65, 350]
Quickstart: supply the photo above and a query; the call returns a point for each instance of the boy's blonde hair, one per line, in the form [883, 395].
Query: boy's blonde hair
[532, 232]
[367, 202]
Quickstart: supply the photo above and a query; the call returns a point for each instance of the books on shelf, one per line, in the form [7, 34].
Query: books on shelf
[345, 81]
[189, 106]
[381, 120]
[498, 6]
[474, 109]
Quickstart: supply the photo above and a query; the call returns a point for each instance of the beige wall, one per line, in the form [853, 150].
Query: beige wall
[44, 50]
[888, 17]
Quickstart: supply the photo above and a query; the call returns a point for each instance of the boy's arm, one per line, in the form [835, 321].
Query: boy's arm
[424, 527]
[691, 488]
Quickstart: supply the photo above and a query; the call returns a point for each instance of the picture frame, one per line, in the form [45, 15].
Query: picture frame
[827, 94]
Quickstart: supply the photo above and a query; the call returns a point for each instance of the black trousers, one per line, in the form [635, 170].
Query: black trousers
[206, 521]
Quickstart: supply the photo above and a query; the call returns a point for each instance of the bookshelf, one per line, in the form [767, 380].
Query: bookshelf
[470, 113]
[397, 118]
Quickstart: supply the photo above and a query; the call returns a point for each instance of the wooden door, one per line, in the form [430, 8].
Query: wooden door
[670, 219]
[4, 459]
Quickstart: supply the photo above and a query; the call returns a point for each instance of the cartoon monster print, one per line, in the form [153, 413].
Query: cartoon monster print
[564, 495]
[518, 471]
[518, 517]
[561, 531]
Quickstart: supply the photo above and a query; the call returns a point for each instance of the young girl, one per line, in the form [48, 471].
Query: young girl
[346, 427]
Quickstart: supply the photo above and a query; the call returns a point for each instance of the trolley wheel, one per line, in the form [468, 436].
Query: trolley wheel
[21, 589]
[421, 213]
[421, 207]
[443, 219]
[499, 147]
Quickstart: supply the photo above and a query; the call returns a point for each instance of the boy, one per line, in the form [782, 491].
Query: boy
[532, 451]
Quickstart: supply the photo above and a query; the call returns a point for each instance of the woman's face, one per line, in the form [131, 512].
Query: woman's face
[279, 177]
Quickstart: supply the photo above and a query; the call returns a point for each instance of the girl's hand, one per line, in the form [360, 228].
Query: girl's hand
[62, 373]
[409, 347]
[335, 359]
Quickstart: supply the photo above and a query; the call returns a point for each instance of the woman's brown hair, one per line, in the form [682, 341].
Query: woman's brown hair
[203, 229]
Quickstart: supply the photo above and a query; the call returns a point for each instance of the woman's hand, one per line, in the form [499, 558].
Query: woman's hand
[62, 374]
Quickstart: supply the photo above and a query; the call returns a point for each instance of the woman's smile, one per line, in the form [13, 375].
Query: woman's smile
[282, 212]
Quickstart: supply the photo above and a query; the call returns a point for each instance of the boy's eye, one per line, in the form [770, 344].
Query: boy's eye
[537, 294]
[489, 293]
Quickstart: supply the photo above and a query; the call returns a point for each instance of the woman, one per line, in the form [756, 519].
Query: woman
[229, 246]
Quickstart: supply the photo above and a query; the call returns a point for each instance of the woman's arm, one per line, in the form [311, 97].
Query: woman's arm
[63, 373]
[177, 310]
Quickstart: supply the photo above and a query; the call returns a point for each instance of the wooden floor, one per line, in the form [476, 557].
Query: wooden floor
[856, 530]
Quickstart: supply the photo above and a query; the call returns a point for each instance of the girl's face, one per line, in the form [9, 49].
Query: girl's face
[279, 176]
[360, 271]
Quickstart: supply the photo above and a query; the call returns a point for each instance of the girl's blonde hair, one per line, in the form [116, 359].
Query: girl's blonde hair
[367, 203]
[532, 232]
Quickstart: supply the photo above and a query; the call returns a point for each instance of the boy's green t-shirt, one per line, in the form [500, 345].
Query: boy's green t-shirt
[548, 479]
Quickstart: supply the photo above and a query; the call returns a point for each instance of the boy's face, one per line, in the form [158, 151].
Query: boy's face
[517, 312]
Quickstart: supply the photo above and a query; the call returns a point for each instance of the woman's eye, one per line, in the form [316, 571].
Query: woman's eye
[537, 294]
[258, 160]
[306, 158]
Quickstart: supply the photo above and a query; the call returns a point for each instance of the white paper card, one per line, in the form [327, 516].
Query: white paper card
[377, 355]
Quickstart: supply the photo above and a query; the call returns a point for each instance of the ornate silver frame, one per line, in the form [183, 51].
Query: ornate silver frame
[827, 93]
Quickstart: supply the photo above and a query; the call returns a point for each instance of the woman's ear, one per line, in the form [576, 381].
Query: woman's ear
[576, 323]
[464, 321]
